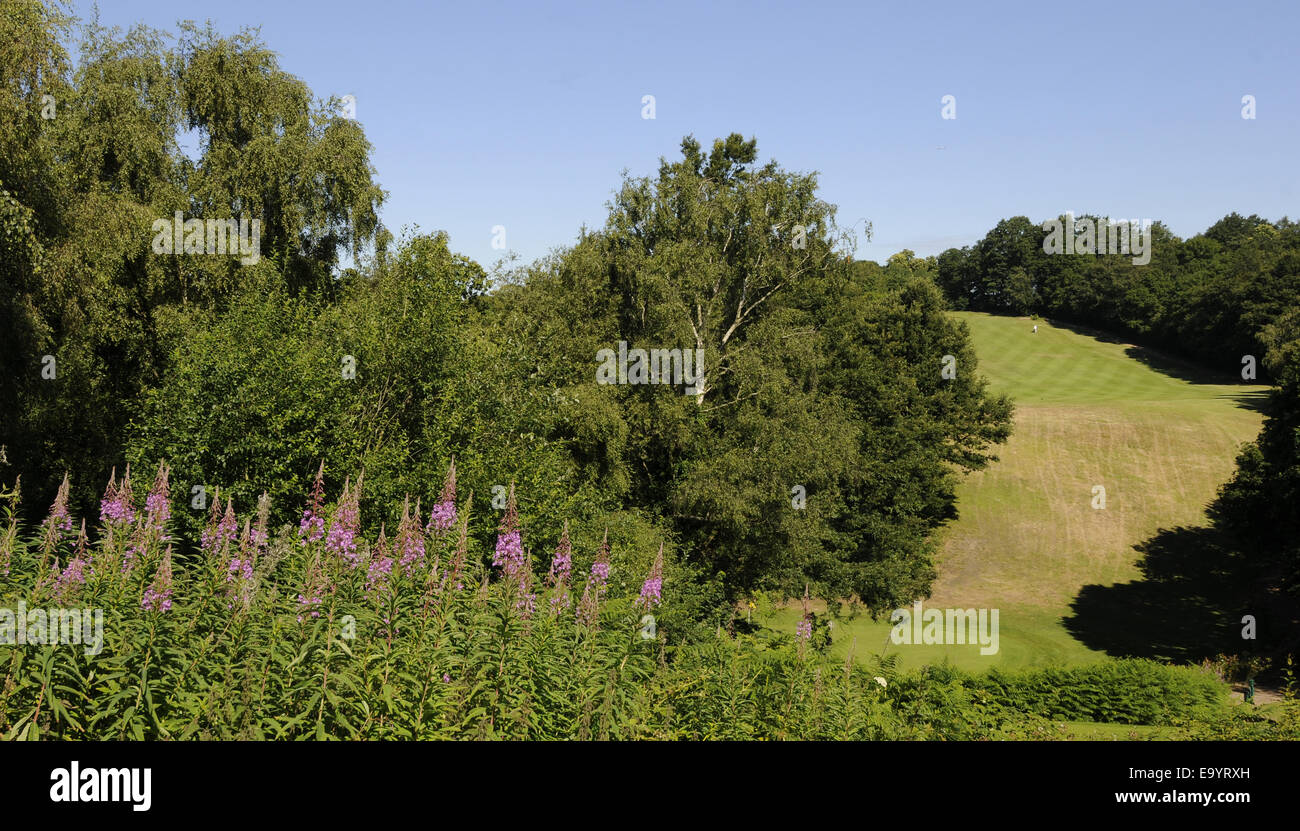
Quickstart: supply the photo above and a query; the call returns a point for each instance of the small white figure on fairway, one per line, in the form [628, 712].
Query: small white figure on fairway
[1035, 328]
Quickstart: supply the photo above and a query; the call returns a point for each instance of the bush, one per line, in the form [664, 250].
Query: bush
[1130, 691]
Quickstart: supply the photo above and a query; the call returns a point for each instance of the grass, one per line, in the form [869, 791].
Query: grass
[1157, 435]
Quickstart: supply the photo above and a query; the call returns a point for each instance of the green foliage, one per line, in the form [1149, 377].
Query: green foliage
[438, 649]
[819, 373]
[89, 159]
[1130, 691]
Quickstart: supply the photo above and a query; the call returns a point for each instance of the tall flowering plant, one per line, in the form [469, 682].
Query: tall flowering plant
[311, 527]
[509, 552]
[59, 522]
[341, 541]
[652, 589]
[74, 575]
[221, 532]
[9, 537]
[410, 538]
[443, 514]
[151, 527]
[239, 571]
[561, 568]
[803, 630]
[597, 582]
[456, 571]
[158, 596]
[515, 564]
[115, 509]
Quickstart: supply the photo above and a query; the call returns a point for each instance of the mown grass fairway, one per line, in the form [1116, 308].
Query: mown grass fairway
[1159, 437]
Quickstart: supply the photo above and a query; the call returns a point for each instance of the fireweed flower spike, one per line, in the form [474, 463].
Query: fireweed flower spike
[59, 521]
[153, 528]
[11, 533]
[74, 575]
[410, 539]
[239, 573]
[260, 536]
[227, 529]
[313, 591]
[462, 551]
[652, 589]
[379, 570]
[207, 540]
[115, 507]
[443, 514]
[526, 604]
[803, 631]
[342, 537]
[158, 596]
[312, 526]
[509, 553]
[561, 568]
[241, 565]
[157, 507]
[589, 606]
[55, 525]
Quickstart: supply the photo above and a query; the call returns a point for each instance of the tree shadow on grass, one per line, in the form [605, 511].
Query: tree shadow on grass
[1187, 607]
[1256, 400]
[1165, 363]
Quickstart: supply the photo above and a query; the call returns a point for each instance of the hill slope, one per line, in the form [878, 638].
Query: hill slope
[1091, 411]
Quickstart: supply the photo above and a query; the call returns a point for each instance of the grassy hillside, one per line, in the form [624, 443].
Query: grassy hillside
[1091, 411]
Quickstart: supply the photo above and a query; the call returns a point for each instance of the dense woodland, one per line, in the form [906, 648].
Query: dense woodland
[821, 373]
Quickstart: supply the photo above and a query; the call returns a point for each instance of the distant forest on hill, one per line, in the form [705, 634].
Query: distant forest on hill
[1211, 298]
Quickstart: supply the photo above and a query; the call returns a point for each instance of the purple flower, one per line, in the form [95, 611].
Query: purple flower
[509, 553]
[526, 605]
[342, 537]
[589, 606]
[158, 596]
[239, 572]
[59, 521]
[157, 507]
[561, 567]
[305, 603]
[314, 590]
[804, 629]
[652, 589]
[222, 529]
[312, 526]
[443, 514]
[73, 576]
[410, 539]
[381, 567]
[115, 507]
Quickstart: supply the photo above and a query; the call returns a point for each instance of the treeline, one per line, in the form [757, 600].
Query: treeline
[1230, 292]
[820, 445]
[1207, 298]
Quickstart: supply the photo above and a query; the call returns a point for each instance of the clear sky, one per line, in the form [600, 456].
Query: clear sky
[525, 114]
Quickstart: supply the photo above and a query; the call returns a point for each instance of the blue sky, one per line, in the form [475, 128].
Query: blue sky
[525, 114]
